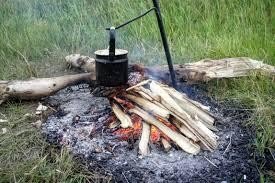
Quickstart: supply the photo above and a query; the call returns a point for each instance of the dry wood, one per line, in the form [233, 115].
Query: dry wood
[137, 85]
[190, 107]
[124, 118]
[203, 70]
[207, 69]
[149, 106]
[184, 143]
[84, 63]
[166, 145]
[184, 130]
[42, 87]
[144, 139]
[195, 126]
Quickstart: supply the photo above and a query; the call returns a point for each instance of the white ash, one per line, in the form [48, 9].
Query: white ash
[86, 136]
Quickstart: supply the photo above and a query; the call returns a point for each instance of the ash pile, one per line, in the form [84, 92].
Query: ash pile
[86, 125]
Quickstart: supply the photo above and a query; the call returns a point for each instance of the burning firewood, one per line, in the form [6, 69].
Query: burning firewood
[184, 143]
[166, 145]
[184, 130]
[196, 124]
[144, 139]
[123, 118]
[149, 106]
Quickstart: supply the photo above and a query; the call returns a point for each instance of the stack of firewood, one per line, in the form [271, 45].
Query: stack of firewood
[159, 105]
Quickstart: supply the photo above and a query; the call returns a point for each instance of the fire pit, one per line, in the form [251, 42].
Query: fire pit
[86, 125]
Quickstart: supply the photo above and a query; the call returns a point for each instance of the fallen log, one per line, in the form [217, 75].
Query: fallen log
[203, 70]
[42, 87]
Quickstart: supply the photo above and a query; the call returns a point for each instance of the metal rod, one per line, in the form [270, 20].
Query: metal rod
[165, 43]
[145, 13]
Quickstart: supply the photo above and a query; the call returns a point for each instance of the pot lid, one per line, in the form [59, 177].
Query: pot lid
[105, 52]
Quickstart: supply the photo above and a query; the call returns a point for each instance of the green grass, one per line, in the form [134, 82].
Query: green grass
[43, 32]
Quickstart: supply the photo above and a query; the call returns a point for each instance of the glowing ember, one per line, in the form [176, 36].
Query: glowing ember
[132, 133]
[155, 134]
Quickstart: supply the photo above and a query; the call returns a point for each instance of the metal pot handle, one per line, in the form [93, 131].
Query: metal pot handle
[112, 44]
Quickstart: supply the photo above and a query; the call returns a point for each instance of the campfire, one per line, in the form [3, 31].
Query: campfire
[156, 113]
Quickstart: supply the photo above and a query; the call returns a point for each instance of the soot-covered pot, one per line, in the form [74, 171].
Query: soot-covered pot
[111, 64]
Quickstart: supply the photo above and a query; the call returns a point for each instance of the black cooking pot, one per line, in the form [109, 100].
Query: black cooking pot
[111, 64]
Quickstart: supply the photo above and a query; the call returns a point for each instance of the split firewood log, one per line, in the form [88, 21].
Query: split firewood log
[144, 139]
[166, 145]
[184, 130]
[205, 135]
[183, 142]
[40, 87]
[124, 118]
[149, 106]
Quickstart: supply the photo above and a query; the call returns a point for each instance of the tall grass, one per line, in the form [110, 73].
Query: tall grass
[42, 32]
[195, 29]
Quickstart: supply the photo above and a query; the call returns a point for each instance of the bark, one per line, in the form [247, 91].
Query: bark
[42, 87]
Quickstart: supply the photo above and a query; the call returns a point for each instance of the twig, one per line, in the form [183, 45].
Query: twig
[228, 146]
[211, 162]
[125, 177]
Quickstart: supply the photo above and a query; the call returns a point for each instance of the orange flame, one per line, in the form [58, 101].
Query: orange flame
[132, 133]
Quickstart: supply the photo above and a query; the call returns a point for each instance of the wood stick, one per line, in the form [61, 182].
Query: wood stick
[149, 106]
[42, 87]
[165, 97]
[184, 143]
[184, 130]
[166, 145]
[190, 107]
[144, 139]
[195, 126]
[137, 85]
[124, 119]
